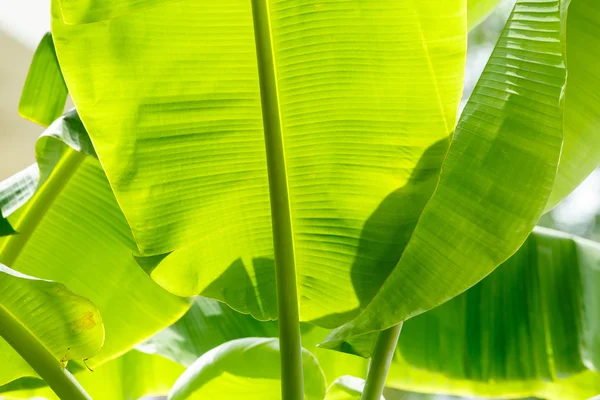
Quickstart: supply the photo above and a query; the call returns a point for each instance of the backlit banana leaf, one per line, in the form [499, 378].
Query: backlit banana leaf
[44, 93]
[365, 96]
[44, 323]
[246, 368]
[129, 377]
[497, 175]
[528, 329]
[71, 230]
[210, 323]
[368, 95]
[581, 99]
[205, 326]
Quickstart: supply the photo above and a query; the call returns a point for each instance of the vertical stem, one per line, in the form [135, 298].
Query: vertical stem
[40, 358]
[292, 385]
[380, 362]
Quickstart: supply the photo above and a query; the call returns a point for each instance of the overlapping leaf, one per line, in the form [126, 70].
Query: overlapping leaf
[581, 102]
[205, 326]
[44, 93]
[130, 376]
[496, 178]
[71, 230]
[36, 313]
[477, 10]
[346, 388]
[367, 99]
[368, 94]
[528, 329]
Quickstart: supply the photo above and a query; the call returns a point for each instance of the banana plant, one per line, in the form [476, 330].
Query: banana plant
[292, 159]
[300, 160]
[540, 304]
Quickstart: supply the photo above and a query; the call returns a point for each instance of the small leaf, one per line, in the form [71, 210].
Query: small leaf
[45, 93]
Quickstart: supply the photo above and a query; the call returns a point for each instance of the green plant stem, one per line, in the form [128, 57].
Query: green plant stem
[43, 362]
[292, 385]
[380, 362]
[58, 378]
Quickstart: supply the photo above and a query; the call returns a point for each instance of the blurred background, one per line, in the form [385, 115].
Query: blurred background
[23, 23]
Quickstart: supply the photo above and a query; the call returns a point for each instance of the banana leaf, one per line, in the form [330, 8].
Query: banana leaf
[44, 324]
[128, 377]
[69, 229]
[246, 368]
[367, 98]
[81, 11]
[44, 93]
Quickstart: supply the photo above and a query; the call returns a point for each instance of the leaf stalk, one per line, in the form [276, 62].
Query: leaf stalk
[58, 378]
[290, 344]
[380, 362]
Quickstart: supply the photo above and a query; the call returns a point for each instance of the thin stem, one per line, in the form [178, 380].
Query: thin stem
[38, 205]
[292, 385]
[40, 358]
[380, 362]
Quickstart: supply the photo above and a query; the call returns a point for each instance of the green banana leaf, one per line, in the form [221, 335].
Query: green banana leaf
[45, 323]
[205, 326]
[496, 177]
[580, 102]
[82, 11]
[71, 230]
[368, 100]
[246, 368]
[177, 126]
[528, 329]
[44, 93]
[128, 377]
[478, 10]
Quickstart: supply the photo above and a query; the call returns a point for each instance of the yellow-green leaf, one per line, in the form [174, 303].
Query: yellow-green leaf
[44, 93]
[42, 324]
[71, 230]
